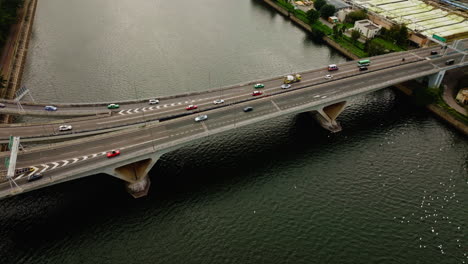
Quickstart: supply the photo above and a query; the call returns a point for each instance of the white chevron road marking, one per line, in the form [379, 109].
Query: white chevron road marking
[55, 165]
[65, 162]
[45, 167]
[75, 160]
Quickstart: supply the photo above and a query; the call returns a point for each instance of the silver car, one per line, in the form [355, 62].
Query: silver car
[219, 101]
[65, 127]
[201, 118]
[153, 101]
[285, 86]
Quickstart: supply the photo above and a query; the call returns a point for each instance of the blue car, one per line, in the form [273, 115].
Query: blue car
[50, 108]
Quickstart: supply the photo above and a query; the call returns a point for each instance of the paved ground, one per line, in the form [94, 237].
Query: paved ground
[451, 81]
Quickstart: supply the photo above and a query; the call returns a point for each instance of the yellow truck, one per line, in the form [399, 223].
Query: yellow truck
[292, 78]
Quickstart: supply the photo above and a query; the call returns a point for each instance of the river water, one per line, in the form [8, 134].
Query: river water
[390, 188]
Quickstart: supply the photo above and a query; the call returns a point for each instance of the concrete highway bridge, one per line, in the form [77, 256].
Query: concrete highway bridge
[160, 130]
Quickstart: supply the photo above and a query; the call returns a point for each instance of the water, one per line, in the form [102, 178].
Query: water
[283, 191]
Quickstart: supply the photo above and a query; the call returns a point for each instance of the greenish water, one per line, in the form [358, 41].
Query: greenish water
[283, 191]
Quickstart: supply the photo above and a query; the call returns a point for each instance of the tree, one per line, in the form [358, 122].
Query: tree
[318, 4]
[402, 35]
[374, 48]
[327, 10]
[355, 35]
[338, 30]
[317, 34]
[355, 16]
[312, 15]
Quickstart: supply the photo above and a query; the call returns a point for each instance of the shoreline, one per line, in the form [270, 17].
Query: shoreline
[15, 51]
[439, 112]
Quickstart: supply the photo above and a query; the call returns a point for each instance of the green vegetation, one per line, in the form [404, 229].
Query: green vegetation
[355, 36]
[397, 34]
[355, 16]
[7, 17]
[347, 43]
[286, 5]
[327, 11]
[388, 45]
[318, 4]
[313, 16]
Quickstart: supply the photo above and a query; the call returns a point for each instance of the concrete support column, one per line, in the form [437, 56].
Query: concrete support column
[436, 79]
[136, 175]
[327, 116]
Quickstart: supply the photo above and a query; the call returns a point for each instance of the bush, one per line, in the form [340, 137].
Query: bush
[327, 10]
[313, 15]
[355, 16]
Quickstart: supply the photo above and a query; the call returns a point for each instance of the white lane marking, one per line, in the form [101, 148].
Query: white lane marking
[65, 162]
[102, 153]
[129, 111]
[158, 107]
[275, 105]
[84, 158]
[94, 155]
[144, 109]
[323, 97]
[204, 126]
[75, 160]
[55, 165]
[143, 143]
[45, 167]
[136, 110]
[173, 104]
[186, 102]
[165, 105]
[179, 103]
[121, 112]
[317, 96]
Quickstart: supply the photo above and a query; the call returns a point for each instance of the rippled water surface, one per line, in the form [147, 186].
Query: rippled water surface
[390, 188]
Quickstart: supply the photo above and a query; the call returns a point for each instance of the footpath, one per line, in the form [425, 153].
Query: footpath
[13, 55]
[448, 82]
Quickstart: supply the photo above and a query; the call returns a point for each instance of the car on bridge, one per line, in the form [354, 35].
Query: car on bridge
[259, 85]
[191, 107]
[2, 105]
[34, 177]
[363, 68]
[219, 101]
[153, 101]
[255, 93]
[285, 86]
[248, 109]
[332, 67]
[113, 153]
[50, 108]
[65, 127]
[113, 106]
[201, 118]
[328, 76]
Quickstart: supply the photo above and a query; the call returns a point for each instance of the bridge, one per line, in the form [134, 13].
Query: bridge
[152, 133]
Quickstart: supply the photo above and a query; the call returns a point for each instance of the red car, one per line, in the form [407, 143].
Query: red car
[113, 153]
[257, 93]
[191, 107]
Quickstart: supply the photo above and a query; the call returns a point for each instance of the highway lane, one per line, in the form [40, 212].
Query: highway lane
[205, 101]
[133, 107]
[56, 158]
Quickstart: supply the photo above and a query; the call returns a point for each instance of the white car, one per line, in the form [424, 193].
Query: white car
[153, 101]
[219, 101]
[285, 86]
[201, 118]
[328, 76]
[65, 127]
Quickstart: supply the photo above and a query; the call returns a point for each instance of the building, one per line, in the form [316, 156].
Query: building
[339, 5]
[462, 96]
[366, 28]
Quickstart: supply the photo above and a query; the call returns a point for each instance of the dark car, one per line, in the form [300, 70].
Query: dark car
[248, 109]
[2, 105]
[34, 177]
[433, 52]
[362, 68]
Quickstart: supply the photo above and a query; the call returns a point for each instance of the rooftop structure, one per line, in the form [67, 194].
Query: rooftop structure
[419, 17]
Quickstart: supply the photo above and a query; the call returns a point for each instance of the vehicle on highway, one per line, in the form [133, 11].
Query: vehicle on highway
[65, 127]
[201, 118]
[2, 105]
[153, 101]
[191, 107]
[248, 109]
[328, 76]
[332, 67]
[259, 85]
[219, 101]
[255, 93]
[50, 108]
[113, 106]
[363, 63]
[113, 153]
[292, 78]
[362, 68]
[285, 86]
[34, 177]
[433, 52]
[450, 62]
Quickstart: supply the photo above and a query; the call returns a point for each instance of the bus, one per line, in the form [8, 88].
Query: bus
[363, 63]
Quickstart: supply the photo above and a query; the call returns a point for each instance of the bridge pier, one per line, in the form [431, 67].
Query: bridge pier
[436, 79]
[327, 116]
[135, 175]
